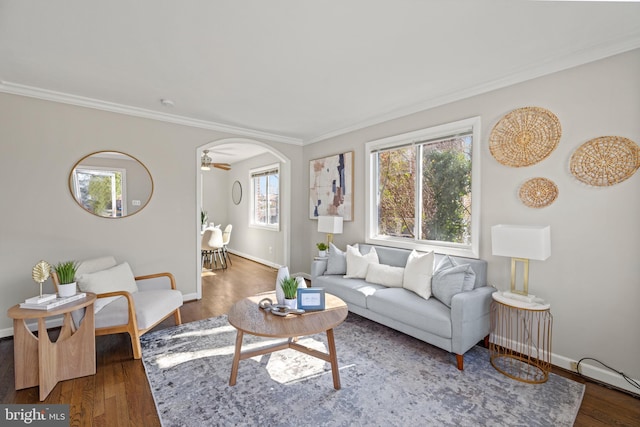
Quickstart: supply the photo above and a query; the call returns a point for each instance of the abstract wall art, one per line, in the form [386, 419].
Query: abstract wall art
[331, 186]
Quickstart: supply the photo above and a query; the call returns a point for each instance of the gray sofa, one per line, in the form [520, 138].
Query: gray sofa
[455, 329]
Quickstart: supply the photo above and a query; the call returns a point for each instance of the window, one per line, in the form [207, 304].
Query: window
[424, 189]
[100, 190]
[265, 201]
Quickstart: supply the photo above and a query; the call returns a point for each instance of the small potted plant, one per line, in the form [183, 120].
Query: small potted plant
[290, 288]
[322, 249]
[66, 272]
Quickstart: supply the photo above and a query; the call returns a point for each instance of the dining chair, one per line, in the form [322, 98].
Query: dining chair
[226, 236]
[211, 248]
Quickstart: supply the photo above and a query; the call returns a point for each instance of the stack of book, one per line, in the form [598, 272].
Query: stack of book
[49, 301]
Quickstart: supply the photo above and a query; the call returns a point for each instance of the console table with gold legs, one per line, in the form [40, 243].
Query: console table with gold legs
[520, 340]
[41, 362]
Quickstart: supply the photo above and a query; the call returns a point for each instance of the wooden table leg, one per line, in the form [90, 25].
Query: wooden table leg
[333, 357]
[236, 358]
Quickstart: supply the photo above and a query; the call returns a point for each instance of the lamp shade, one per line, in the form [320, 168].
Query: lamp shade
[521, 241]
[330, 224]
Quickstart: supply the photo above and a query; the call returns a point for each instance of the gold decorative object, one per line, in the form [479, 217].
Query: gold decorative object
[538, 192]
[525, 136]
[605, 161]
[40, 273]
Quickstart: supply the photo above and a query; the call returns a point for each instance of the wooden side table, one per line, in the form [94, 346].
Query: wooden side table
[40, 362]
[520, 340]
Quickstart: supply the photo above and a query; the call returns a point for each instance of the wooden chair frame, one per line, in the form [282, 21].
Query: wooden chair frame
[131, 327]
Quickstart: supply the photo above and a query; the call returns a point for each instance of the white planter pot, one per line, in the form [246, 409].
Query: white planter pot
[322, 254]
[291, 303]
[67, 289]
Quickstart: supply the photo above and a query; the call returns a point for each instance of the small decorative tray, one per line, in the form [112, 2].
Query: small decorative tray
[278, 309]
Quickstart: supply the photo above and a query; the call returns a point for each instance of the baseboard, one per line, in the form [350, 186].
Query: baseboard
[256, 259]
[190, 297]
[595, 373]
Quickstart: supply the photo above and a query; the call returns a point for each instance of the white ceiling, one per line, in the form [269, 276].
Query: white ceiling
[295, 71]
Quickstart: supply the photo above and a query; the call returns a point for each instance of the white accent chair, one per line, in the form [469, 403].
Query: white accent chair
[126, 303]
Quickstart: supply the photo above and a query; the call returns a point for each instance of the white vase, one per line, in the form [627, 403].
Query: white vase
[67, 289]
[322, 254]
[291, 303]
[283, 273]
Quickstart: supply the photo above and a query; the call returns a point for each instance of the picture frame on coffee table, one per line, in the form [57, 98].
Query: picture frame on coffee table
[311, 299]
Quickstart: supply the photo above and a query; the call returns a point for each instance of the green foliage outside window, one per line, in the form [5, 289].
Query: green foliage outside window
[445, 191]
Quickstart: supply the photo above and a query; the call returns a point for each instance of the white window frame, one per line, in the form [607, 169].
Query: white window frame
[252, 223]
[104, 171]
[471, 250]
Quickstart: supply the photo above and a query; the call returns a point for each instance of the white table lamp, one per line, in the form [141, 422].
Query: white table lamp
[521, 243]
[330, 225]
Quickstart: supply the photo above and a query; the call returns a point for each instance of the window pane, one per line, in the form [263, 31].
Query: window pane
[446, 191]
[274, 196]
[396, 192]
[266, 197]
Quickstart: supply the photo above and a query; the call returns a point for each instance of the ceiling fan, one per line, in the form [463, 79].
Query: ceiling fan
[206, 163]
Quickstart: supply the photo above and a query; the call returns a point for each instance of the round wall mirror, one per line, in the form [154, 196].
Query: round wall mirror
[111, 184]
[236, 192]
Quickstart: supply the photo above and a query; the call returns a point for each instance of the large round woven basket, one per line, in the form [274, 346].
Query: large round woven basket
[525, 136]
[538, 192]
[605, 161]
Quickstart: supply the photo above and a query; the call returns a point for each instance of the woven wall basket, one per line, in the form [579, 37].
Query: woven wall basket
[538, 192]
[525, 136]
[605, 161]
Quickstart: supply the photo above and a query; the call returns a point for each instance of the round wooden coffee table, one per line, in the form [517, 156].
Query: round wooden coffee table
[247, 317]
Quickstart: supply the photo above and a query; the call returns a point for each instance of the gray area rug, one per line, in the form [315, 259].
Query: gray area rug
[388, 379]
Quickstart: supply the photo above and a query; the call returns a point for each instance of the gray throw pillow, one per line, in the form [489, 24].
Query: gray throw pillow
[337, 261]
[451, 278]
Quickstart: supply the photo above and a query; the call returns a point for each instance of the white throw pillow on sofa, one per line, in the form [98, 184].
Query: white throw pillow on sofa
[418, 272]
[357, 264]
[118, 278]
[385, 275]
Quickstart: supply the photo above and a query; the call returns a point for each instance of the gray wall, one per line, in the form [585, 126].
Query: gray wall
[591, 278]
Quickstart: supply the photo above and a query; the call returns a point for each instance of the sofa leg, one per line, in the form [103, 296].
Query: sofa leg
[486, 341]
[460, 360]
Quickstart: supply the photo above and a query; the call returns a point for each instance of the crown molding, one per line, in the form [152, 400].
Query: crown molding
[65, 98]
[550, 66]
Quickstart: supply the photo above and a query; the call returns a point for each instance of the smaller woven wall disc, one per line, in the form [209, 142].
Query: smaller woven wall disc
[538, 192]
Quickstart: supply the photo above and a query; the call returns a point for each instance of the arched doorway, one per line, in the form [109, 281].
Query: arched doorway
[214, 190]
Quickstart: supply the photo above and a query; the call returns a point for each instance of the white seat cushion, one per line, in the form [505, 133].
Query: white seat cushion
[151, 306]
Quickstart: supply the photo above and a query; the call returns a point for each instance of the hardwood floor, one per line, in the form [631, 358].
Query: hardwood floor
[119, 394]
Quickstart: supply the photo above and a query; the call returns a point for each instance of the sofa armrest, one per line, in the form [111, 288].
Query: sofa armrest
[154, 282]
[318, 267]
[470, 318]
